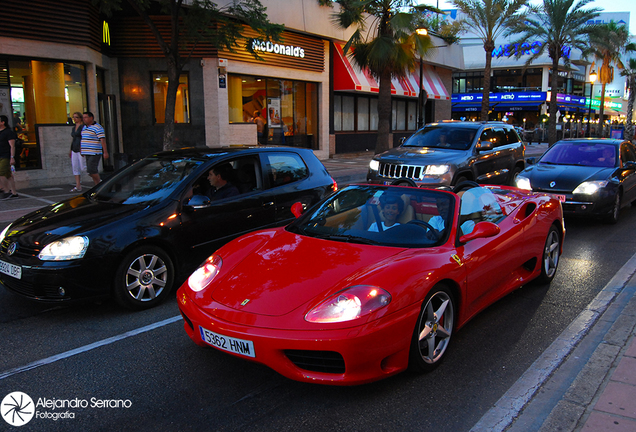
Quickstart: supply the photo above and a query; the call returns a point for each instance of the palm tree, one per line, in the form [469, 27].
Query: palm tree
[489, 19]
[388, 49]
[561, 26]
[630, 73]
[607, 43]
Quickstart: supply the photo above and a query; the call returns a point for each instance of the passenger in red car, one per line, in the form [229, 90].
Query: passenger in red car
[392, 206]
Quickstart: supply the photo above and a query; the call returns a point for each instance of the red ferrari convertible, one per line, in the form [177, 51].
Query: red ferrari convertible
[372, 281]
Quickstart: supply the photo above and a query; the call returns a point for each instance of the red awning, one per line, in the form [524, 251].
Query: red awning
[347, 76]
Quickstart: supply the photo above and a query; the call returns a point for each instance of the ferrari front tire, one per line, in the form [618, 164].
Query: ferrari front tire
[144, 278]
[433, 330]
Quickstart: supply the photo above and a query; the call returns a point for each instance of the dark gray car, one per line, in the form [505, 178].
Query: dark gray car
[448, 153]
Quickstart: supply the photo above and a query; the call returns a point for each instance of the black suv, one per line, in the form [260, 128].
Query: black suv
[448, 153]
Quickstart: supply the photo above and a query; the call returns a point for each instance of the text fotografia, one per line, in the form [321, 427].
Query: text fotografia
[271, 47]
[82, 403]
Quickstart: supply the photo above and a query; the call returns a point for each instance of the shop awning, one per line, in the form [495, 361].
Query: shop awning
[349, 77]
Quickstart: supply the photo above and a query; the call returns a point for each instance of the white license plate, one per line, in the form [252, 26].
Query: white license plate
[558, 196]
[226, 343]
[11, 270]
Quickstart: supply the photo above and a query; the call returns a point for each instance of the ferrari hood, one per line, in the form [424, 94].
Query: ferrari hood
[564, 177]
[290, 270]
[421, 155]
[74, 216]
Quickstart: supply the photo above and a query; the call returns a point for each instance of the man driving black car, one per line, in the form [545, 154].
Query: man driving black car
[219, 177]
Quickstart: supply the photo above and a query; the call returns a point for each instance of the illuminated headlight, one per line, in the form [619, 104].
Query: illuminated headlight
[349, 304]
[4, 233]
[523, 183]
[374, 165]
[66, 249]
[590, 187]
[436, 169]
[202, 276]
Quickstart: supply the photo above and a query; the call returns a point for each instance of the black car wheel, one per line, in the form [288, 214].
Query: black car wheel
[550, 257]
[433, 330]
[144, 278]
[513, 178]
[612, 218]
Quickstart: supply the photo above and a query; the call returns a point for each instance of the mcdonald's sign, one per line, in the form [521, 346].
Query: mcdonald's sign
[105, 33]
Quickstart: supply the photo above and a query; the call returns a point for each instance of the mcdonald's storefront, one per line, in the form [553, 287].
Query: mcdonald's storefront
[54, 62]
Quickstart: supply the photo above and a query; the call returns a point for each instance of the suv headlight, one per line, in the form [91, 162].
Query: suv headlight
[523, 183]
[66, 249]
[4, 233]
[436, 169]
[374, 165]
[590, 187]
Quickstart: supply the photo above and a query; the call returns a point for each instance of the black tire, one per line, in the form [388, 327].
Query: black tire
[433, 330]
[612, 218]
[550, 256]
[466, 184]
[144, 278]
[460, 179]
[515, 173]
[403, 182]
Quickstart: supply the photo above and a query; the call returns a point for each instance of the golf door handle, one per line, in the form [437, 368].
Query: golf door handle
[268, 204]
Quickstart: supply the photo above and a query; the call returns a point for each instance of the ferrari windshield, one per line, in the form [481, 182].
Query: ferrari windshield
[581, 153]
[388, 216]
[147, 181]
[443, 136]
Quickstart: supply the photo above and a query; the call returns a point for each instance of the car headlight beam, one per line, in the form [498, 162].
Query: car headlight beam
[523, 182]
[374, 165]
[66, 249]
[590, 187]
[202, 276]
[436, 169]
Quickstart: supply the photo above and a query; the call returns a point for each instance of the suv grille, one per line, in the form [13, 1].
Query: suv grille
[413, 172]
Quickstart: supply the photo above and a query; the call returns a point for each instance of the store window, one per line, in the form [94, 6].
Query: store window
[290, 108]
[59, 89]
[355, 113]
[404, 115]
[182, 104]
[468, 82]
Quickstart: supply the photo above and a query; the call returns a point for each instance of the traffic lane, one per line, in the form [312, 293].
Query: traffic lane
[191, 387]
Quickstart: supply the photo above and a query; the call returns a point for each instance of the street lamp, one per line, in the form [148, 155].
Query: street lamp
[421, 96]
[593, 77]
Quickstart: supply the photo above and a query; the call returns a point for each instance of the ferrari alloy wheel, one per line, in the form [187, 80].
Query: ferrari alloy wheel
[551, 253]
[433, 331]
[612, 218]
[144, 278]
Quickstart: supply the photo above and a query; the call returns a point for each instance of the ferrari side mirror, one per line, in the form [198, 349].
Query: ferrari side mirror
[481, 230]
[297, 209]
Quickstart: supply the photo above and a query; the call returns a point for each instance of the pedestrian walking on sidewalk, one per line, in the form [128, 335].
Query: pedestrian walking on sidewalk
[93, 145]
[7, 158]
[77, 160]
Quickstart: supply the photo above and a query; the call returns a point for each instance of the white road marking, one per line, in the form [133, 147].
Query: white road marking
[85, 348]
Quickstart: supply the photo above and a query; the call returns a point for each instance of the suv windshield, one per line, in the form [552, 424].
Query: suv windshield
[387, 216]
[146, 181]
[443, 136]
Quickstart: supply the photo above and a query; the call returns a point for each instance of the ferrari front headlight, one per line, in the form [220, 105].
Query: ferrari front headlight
[349, 304]
[523, 182]
[202, 276]
[69, 248]
[590, 187]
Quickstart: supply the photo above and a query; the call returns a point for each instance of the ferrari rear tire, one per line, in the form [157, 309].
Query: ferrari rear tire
[433, 330]
[144, 278]
[550, 257]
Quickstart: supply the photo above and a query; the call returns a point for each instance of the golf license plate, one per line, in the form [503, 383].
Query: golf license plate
[558, 196]
[226, 343]
[11, 269]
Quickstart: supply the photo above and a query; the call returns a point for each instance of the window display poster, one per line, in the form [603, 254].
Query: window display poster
[5, 102]
[273, 110]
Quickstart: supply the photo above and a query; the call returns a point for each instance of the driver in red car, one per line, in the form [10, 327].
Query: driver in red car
[392, 206]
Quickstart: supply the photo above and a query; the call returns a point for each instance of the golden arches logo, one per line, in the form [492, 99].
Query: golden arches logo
[105, 33]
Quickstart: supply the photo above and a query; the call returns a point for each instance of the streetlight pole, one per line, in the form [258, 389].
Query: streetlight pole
[589, 112]
[422, 96]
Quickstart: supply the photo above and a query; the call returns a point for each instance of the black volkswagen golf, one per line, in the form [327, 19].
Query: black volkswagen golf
[138, 233]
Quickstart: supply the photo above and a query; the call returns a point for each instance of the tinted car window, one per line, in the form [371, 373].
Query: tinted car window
[512, 136]
[585, 154]
[146, 181]
[284, 168]
[627, 153]
[443, 136]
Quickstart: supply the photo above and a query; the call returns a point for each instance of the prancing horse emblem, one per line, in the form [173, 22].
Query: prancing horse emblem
[246, 301]
[552, 184]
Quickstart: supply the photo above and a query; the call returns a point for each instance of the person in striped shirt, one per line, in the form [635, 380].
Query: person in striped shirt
[93, 145]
